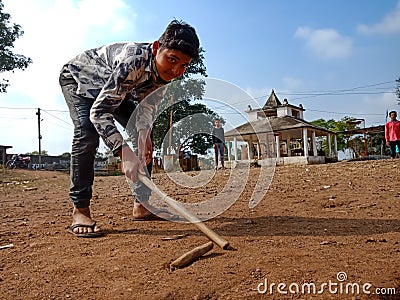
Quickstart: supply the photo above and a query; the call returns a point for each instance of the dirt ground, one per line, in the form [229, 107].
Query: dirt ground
[335, 227]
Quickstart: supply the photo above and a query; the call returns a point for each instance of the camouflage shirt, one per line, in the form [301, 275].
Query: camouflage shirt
[108, 75]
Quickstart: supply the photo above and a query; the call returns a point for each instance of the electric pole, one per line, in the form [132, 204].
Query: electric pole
[40, 139]
[170, 126]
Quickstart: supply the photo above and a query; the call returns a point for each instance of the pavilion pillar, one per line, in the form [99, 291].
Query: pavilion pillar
[314, 143]
[305, 142]
[329, 145]
[235, 148]
[277, 145]
[335, 145]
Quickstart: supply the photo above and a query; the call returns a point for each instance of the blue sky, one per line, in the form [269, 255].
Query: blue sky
[301, 49]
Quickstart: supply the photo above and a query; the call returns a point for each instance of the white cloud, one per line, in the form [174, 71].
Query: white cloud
[54, 32]
[325, 43]
[292, 84]
[389, 25]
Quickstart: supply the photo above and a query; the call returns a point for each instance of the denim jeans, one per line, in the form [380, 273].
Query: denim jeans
[219, 151]
[85, 143]
[393, 145]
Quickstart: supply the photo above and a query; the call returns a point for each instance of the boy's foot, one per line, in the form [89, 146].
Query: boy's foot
[82, 216]
[140, 212]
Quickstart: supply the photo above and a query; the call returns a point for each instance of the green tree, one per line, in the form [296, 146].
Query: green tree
[66, 154]
[183, 92]
[100, 155]
[358, 142]
[43, 152]
[339, 127]
[8, 60]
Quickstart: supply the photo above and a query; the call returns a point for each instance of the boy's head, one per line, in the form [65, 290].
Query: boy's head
[175, 50]
[217, 122]
[393, 115]
[180, 36]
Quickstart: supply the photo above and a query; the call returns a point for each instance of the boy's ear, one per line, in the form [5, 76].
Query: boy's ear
[156, 46]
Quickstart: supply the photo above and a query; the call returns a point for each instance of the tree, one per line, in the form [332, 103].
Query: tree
[193, 130]
[100, 155]
[9, 60]
[336, 126]
[66, 154]
[183, 91]
[43, 152]
[357, 141]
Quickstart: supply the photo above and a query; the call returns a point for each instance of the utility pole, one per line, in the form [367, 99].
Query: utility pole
[170, 126]
[170, 131]
[40, 139]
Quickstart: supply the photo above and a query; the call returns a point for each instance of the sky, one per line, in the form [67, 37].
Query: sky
[336, 57]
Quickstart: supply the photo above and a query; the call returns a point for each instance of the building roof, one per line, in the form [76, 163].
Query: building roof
[275, 125]
[272, 101]
[369, 130]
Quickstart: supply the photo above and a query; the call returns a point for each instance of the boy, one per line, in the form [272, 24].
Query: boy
[218, 137]
[106, 84]
[392, 133]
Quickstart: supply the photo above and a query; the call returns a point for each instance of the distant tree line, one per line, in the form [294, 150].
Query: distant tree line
[356, 143]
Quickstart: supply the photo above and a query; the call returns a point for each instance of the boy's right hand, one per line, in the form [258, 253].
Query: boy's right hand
[145, 147]
[131, 164]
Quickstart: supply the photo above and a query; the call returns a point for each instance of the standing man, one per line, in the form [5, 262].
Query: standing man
[106, 84]
[392, 133]
[218, 136]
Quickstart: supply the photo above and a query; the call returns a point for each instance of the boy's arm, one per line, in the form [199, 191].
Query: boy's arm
[387, 132]
[122, 80]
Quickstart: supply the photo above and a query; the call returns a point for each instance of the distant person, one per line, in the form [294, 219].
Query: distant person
[106, 84]
[392, 133]
[218, 137]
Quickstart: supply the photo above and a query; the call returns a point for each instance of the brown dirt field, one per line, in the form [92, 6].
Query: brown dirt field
[314, 222]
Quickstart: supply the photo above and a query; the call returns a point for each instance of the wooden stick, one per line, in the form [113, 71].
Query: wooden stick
[224, 244]
[191, 255]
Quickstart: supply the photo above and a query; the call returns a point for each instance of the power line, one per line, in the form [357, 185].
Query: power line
[33, 108]
[341, 90]
[58, 125]
[16, 118]
[338, 92]
[3, 107]
[345, 113]
[47, 112]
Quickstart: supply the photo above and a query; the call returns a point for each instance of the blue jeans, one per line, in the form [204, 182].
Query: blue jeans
[85, 143]
[393, 145]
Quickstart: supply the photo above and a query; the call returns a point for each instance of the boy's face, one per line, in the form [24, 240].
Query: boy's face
[393, 116]
[217, 123]
[170, 63]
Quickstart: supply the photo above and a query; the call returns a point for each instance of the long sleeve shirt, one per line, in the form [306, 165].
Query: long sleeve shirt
[107, 75]
[392, 131]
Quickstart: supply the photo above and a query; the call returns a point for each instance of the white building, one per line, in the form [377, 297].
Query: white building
[279, 132]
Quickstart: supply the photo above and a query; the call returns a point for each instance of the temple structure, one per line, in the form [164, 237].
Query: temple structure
[278, 132]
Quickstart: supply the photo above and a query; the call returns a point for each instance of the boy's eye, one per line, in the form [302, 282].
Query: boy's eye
[171, 59]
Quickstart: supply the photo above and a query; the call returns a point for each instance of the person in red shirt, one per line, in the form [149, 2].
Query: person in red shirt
[392, 133]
